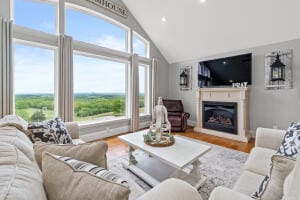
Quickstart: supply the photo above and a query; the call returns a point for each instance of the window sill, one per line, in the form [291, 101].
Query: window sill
[111, 121]
[104, 122]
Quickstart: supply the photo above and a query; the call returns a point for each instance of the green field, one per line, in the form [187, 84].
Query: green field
[87, 107]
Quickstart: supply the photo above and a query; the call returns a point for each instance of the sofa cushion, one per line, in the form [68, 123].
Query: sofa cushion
[172, 189]
[248, 182]
[292, 183]
[53, 132]
[66, 182]
[94, 153]
[259, 160]
[173, 105]
[271, 187]
[20, 178]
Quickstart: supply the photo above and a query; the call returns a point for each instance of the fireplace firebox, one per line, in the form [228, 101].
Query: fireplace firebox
[220, 116]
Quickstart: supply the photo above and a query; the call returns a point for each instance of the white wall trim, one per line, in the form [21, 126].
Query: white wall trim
[110, 132]
[191, 123]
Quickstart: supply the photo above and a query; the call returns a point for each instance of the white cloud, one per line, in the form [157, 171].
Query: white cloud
[111, 42]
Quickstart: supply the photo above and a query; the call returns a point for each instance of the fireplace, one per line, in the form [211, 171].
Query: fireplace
[220, 116]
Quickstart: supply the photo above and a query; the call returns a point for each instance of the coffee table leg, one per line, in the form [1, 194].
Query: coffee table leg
[195, 172]
[132, 160]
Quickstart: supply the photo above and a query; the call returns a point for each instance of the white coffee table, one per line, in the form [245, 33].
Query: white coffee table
[183, 153]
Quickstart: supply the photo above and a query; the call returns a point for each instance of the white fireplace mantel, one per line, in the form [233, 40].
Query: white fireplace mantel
[237, 95]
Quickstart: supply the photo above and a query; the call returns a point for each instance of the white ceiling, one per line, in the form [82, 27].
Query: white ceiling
[194, 30]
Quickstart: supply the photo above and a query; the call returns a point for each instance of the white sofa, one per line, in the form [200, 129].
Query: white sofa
[21, 178]
[257, 166]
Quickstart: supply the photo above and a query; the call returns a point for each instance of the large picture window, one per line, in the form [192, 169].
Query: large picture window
[99, 89]
[38, 15]
[34, 82]
[90, 28]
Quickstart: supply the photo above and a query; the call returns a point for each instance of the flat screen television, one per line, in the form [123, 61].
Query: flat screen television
[225, 71]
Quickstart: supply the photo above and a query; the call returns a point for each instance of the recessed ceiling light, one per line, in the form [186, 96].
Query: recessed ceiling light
[202, 1]
[163, 19]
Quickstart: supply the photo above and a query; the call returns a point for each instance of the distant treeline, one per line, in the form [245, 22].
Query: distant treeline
[84, 104]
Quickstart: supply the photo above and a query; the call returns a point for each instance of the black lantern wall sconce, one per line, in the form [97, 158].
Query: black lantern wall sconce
[184, 78]
[278, 70]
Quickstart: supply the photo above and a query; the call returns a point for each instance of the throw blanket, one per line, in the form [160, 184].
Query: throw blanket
[14, 121]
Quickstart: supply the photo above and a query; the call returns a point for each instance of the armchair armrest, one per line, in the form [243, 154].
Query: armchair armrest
[222, 193]
[172, 189]
[185, 115]
[269, 138]
[73, 129]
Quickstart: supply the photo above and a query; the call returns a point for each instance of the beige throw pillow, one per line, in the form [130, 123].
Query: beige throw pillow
[292, 184]
[66, 182]
[272, 186]
[94, 153]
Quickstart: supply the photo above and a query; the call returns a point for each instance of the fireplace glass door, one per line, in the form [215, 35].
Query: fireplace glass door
[220, 116]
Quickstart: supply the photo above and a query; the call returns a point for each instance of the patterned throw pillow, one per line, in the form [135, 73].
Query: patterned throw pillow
[93, 169]
[53, 131]
[290, 146]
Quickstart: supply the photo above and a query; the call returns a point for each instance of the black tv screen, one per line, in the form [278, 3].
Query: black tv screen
[225, 71]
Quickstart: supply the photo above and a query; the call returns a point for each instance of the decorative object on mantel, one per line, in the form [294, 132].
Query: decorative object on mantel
[278, 70]
[111, 6]
[185, 80]
[159, 133]
[240, 85]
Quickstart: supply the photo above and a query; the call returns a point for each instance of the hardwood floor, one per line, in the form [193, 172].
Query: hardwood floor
[118, 148]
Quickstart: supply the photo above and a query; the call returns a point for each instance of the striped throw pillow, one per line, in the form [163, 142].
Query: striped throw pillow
[93, 169]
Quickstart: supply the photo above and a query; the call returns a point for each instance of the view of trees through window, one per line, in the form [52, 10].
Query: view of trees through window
[99, 88]
[142, 88]
[34, 82]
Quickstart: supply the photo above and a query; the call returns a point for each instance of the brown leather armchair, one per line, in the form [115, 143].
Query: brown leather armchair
[176, 115]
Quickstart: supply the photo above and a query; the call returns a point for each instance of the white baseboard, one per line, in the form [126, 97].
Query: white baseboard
[252, 133]
[191, 123]
[110, 132]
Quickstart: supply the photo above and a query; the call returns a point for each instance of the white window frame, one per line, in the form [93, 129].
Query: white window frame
[33, 36]
[55, 63]
[93, 13]
[146, 43]
[146, 89]
[97, 56]
[51, 2]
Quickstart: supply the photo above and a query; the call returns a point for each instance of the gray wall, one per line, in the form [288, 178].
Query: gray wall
[268, 108]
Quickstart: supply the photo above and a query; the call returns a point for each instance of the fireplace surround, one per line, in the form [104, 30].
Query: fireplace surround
[223, 112]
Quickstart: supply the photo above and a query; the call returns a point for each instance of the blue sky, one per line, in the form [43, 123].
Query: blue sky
[34, 67]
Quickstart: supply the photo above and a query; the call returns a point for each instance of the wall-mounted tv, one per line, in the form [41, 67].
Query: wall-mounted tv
[225, 71]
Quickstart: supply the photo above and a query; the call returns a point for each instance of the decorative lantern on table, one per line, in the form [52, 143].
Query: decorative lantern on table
[278, 70]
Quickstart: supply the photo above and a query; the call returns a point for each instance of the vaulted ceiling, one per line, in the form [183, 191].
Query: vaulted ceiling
[195, 30]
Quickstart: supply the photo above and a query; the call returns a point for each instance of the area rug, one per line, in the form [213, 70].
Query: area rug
[221, 166]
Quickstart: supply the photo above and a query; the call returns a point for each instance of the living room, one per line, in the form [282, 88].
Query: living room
[149, 99]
